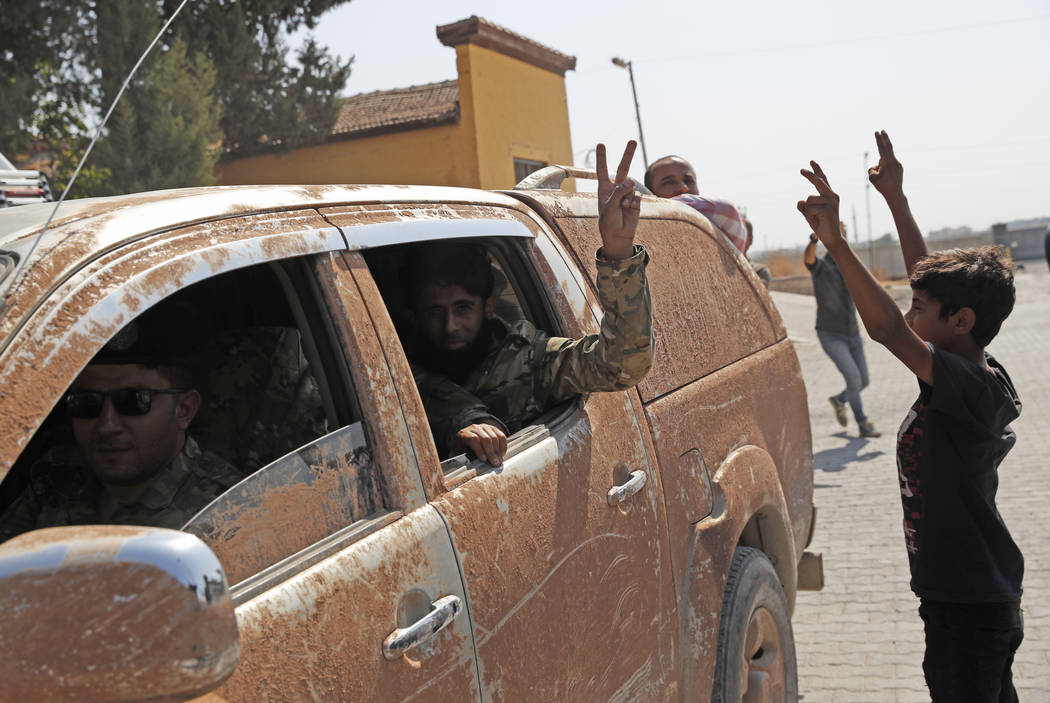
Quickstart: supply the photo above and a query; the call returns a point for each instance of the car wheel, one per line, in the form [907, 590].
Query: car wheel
[756, 648]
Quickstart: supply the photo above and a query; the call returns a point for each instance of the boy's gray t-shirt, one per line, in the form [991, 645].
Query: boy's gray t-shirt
[835, 310]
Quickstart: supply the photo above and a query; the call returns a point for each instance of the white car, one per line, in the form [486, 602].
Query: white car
[20, 187]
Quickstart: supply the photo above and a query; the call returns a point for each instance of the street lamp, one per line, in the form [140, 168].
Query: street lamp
[622, 63]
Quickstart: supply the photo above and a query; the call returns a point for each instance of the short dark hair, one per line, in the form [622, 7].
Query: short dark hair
[660, 162]
[980, 278]
[182, 377]
[455, 264]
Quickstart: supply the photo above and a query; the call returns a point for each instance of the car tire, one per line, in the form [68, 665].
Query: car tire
[756, 647]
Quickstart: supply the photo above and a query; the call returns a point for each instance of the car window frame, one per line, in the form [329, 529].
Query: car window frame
[515, 257]
[103, 295]
[300, 279]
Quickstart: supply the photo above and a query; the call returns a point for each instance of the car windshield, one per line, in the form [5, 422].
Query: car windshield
[6, 165]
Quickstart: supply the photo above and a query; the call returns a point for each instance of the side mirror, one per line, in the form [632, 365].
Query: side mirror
[113, 613]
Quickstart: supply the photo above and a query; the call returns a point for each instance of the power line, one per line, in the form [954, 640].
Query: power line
[986, 145]
[793, 168]
[842, 42]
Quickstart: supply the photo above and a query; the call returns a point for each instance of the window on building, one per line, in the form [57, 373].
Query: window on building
[523, 167]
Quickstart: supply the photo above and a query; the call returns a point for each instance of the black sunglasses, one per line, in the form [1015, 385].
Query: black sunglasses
[130, 402]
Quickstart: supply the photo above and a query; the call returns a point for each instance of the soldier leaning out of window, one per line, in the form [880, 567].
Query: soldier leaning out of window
[482, 378]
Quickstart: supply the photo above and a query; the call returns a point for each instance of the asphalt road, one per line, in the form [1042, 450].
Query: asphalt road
[860, 639]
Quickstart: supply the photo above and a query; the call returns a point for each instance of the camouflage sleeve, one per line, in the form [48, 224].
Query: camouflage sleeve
[20, 516]
[620, 355]
[450, 408]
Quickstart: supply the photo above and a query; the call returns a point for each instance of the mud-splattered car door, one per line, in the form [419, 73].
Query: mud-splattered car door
[346, 583]
[562, 546]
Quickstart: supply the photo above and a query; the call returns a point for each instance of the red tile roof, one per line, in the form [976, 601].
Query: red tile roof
[400, 108]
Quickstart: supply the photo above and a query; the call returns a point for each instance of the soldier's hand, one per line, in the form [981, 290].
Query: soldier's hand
[822, 210]
[488, 442]
[618, 205]
[888, 175]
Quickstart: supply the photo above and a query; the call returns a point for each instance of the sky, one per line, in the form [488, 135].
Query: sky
[749, 92]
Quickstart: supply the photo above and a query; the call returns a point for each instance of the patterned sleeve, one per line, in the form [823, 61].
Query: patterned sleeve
[621, 354]
[20, 516]
[450, 408]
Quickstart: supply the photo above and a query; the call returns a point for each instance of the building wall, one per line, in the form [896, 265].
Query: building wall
[518, 110]
[1024, 243]
[886, 260]
[508, 108]
[443, 155]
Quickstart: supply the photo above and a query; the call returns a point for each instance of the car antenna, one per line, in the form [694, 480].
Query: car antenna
[98, 132]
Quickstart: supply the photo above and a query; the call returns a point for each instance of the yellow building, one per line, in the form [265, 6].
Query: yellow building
[504, 116]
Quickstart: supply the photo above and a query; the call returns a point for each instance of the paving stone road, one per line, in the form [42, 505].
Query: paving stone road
[860, 639]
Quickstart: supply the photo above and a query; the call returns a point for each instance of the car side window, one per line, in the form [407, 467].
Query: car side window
[516, 297]
[292, 503]
[277, 441]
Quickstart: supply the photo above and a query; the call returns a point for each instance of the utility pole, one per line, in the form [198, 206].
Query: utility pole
[622, 63]
[856, 232]
[867, 204]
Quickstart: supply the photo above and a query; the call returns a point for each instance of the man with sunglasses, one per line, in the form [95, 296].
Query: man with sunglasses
[133, 461]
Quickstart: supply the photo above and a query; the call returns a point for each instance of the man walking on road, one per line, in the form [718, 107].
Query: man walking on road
[839, 336]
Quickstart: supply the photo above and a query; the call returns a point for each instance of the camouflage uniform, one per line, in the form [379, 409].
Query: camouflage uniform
[63, 491]
[526, 372]
[261, 397]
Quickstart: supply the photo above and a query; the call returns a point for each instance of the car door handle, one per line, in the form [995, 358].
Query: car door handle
[442, 612]
[618, 494]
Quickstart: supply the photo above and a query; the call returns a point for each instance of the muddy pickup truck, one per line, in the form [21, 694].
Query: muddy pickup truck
[640, 545]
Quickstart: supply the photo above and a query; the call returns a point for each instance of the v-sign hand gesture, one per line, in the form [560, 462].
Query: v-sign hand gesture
[618, 205]
[888, 176]
[822, 210]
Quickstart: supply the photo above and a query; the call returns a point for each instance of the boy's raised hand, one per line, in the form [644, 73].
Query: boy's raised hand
[618, 205]
[888, 175]
[822, 210]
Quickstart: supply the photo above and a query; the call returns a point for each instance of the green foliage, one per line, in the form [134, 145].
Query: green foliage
[42, 59]
[60, 125]
[165, 132]
[219, 83]
[267, 102]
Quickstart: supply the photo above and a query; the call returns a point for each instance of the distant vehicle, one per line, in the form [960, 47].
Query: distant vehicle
[21, 187]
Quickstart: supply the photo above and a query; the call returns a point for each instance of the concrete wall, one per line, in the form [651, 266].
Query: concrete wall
[1025, 244]
[886, 261]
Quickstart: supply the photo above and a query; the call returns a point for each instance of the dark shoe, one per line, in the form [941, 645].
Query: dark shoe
[868, 430]
[840, 410]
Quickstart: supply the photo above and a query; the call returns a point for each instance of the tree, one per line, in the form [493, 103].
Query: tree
[268, 102]
[71, 58]
[165, 132]
[42, 60]
[63, 137]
